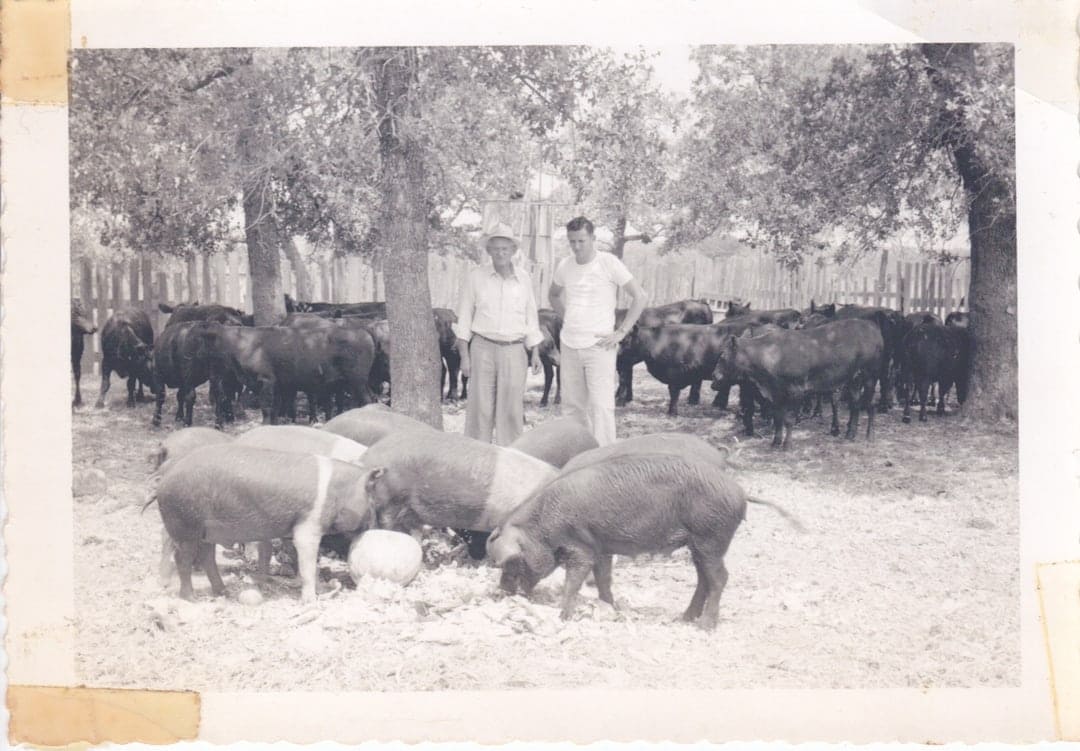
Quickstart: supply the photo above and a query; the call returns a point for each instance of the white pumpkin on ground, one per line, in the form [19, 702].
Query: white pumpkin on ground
[383, 554]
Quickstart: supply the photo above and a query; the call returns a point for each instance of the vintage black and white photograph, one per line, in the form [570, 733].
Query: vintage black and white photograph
[445, 368]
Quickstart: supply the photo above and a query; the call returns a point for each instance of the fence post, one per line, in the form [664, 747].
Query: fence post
[86, 297]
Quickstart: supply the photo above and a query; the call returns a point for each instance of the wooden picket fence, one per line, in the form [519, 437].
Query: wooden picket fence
[149, 280]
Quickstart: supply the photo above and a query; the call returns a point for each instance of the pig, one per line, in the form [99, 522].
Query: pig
[625, 504]
[303, 439]
[369, 424]
[182, 442]
[423, 477]
[668, 443]
[556, 441]
[230, 493]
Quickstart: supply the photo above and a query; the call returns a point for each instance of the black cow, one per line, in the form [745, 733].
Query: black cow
[551, 328]
[181, 361]
[81, 326]
[334, 310]
[684, 354]
[788, 365]
[322, 362]
[787, 318]
[958, 319]
[127, 346]
[891, 325]
[451, 358]
[630, 352]
[934, 353]
[185, 312]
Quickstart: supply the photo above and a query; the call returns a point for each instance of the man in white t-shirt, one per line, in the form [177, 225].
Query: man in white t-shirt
[583, 291]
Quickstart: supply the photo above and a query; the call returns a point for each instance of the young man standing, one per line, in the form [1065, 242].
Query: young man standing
[497, 322]
[583, 291]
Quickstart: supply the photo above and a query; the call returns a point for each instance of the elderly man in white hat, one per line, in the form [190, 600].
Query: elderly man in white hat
[497, 323]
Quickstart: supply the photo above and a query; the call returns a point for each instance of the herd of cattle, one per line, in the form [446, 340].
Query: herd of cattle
[551, 499]
[783, 361]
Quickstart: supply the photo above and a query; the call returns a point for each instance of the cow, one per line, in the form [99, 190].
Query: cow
[81, 326]
[282, 360]
[788, 365]
[934, 353]
[334, 310]
[185, 312]
[181, 361]
[683, 354]
[787, 318]
[451, 358]
[891, 325]
[551, 328]
[958, 319]
[127, 346]
[630, 352]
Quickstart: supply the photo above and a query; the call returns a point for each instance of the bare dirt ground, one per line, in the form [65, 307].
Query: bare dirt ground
[907, 576]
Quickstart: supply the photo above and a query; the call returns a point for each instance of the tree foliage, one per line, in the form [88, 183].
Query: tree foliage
[799, 149]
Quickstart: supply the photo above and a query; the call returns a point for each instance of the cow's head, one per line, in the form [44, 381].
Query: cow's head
[737, 309]
[825, 310]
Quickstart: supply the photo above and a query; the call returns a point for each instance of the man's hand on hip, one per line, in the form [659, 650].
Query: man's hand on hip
[535, 358]
[611, 340]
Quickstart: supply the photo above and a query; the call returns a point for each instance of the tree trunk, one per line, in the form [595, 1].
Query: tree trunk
[264, 261]
[618, 240]
[303, 279]
[415, 365]
[992, 230]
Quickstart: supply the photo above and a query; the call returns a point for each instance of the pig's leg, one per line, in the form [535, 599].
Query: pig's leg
[717, 576]
[207, 551]
[835, 429]
[265, 550]
[186, 551]
[168, 558]
[673, 392]
[602, 573]
[697, 602]
[578, 565]
[695, 393]
[306, 537]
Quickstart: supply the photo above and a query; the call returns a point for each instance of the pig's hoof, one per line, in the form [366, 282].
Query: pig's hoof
[834, 431]
[566, 615]
[706, 624]
[906, 419]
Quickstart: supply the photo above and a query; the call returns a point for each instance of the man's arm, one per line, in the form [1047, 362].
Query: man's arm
[638, 300]
[558, 301]
[463, 328]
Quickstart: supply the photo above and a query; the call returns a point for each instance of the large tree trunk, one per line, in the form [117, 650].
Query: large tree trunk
[415, 364]
[303, 279]
[618, 240]
[264, 261]
[992, 231]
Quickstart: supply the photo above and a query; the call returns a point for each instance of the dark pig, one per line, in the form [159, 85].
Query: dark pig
[226, 494]
[188, 312]
[624, 505]
[127, 347]
[556, 441]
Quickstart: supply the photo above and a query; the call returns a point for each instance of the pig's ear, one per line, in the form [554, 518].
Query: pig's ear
[503, 548]
[375, 475]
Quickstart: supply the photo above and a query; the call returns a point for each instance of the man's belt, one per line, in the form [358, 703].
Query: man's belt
[496, 341]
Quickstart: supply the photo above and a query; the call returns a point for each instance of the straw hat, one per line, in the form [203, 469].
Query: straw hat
[500, 230]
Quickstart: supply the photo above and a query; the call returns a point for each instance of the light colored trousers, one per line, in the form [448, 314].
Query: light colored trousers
[588, 389]
[496, 391]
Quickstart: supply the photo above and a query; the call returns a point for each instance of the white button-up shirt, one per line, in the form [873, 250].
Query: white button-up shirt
[499, 309]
